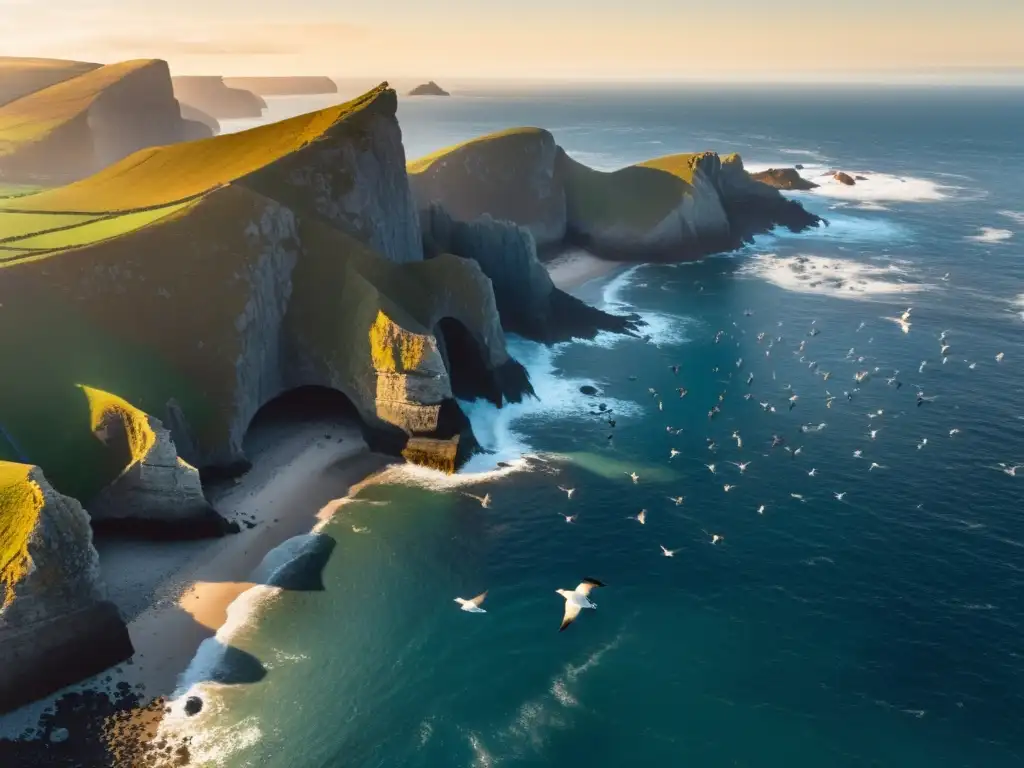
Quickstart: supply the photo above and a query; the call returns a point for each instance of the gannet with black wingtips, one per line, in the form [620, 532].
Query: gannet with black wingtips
[577, 599]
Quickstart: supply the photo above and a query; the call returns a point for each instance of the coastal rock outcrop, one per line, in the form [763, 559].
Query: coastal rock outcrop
[283, 86]
[193, 115]
[83, 124]
[212, 96]
[512, 176]
[56, 627]
[844, 178]
[236, 269]
[527, 300]
[428, 89]
[783, 178]
[674, 207]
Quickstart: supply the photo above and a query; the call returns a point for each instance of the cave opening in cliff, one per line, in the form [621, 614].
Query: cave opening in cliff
[465, 359]
[319, 411]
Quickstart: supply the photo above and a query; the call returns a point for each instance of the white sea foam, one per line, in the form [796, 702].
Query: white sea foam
[875, 187]
[1017, 216]
[840, 278]
[991, 235]
[1019, 304]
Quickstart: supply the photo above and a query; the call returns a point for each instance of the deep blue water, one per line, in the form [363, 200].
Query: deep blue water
[881, 630]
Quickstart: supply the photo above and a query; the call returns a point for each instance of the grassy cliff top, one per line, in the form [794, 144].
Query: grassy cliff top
[22, 76]
[160, 176]
[33, 117]
[638, 195]
[21, 500]
[421, 164]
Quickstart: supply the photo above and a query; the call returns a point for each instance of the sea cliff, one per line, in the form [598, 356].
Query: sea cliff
[670, 208]
[211, 95]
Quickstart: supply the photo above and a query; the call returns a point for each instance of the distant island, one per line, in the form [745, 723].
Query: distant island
[283, 86]
[429, 89]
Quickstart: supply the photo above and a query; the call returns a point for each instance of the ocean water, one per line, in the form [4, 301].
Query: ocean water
[884, 629]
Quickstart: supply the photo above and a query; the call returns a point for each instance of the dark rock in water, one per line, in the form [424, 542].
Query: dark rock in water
[503, 464]
[799, 167]
[602, 406]
[844, 178]
[587, 389]
[304, 571]
[783, 178]
[193, 706]
[861, 178]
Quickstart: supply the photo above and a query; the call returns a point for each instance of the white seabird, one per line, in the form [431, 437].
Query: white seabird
[473, 604]
[567, 491]
[668, 552]
[576, 600]
[485, 500]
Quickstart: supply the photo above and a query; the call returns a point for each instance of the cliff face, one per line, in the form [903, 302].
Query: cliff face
[215, 98]
[82, 124]
[527, 300]
[783, 178]
[295, 260]
[55, 625]
[207, 124]
[674, 207]
[512, 176]
[282, 86]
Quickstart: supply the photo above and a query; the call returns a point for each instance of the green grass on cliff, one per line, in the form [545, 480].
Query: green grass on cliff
[423, 163]
[33, 117]
[160, 176]
[20, 502]
[21, 76]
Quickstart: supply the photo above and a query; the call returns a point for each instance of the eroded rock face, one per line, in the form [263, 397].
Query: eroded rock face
[56, 627]
[514, 178]
[158, 494]
[527, 300]
[844, 178]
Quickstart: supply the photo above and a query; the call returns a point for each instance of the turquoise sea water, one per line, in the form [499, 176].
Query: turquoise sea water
[881, 630]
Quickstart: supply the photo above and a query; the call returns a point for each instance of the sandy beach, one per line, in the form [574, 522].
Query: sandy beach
[573, 268]
[176, 594]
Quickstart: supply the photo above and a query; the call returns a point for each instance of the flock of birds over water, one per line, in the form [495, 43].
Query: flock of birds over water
[578, 599]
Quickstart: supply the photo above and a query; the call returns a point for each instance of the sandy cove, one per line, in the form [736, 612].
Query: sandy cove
[575, 267]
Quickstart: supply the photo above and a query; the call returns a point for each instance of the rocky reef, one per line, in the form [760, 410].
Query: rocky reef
[844, 178]
[428, 89]
[211, 95]
[283, 86]
[528, 302]
[56, 626]
[672, 208]
[83, 123]
[783, 178]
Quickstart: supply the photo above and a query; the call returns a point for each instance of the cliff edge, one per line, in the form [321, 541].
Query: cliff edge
[179, 291]
[22, 76]
[56, 627]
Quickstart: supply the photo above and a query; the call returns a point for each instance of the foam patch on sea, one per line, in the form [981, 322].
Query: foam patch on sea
[839, 278]
[991, 235]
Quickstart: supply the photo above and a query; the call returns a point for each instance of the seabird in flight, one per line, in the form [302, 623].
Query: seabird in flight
[576, 600]
[473, 604]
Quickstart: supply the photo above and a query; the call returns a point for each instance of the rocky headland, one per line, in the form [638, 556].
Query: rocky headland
[283, 86]
[211, 95]
[83, 123]
[22, 76]
[676, 207]
[183, 290]
[428, 89]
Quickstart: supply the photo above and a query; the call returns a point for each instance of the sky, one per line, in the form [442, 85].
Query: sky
[531, 39]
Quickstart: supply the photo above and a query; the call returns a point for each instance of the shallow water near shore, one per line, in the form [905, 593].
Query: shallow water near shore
[883, 629]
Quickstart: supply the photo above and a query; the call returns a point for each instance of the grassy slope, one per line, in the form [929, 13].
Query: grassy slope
[637, 196]
[22, 76]
[423, 163]
[176, 173]
[21, 499]
[34, 117]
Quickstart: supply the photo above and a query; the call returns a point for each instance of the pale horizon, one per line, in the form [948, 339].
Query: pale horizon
[658, 41]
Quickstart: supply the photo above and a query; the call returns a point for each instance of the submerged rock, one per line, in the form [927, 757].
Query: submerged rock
[587, 389]
[56, 625]
[193, 706]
